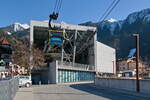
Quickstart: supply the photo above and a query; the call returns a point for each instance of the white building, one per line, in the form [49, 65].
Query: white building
[105, 58]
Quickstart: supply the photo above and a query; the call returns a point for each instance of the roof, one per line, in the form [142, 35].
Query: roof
[130, 59]
[4, 42]
[125, 59]
[63, 26]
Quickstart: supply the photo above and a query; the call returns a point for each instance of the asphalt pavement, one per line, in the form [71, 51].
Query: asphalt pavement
[72, 92]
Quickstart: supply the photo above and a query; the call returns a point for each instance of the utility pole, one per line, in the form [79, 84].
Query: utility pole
[137, 62]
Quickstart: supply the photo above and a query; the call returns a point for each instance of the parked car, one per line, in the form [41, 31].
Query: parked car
[25, 81]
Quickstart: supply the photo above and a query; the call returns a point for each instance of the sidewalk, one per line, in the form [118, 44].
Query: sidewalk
[125, 92]
[24, 94]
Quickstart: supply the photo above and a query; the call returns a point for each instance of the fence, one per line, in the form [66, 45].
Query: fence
[8, 88]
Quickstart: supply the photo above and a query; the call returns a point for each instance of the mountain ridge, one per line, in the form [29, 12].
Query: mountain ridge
[118, 34]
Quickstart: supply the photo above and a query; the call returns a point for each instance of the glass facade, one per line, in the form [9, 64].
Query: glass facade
[65, 76]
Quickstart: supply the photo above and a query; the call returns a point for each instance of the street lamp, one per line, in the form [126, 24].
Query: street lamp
[137, 62]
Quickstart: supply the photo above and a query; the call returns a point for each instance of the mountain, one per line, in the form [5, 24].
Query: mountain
[20, 27]
[118, 33]
[15, 27]
[20, 31]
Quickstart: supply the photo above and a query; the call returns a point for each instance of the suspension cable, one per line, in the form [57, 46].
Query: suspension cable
[59, 6]
[55, 13]
[109, 10]
[56, 2]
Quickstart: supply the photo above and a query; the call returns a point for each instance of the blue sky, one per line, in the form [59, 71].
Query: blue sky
[72, 11]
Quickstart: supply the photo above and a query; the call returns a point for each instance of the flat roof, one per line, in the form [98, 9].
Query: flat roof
[62, 25]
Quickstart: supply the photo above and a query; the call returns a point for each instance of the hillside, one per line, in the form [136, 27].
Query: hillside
[18, 30]
[117, 34]
[21, 52]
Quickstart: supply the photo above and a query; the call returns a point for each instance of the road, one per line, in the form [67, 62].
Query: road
[70, 92]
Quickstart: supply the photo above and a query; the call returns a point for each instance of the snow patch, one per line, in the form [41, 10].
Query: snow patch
[25, 26]
[111, 20]
[20, 27]
[9, 33]
[132, 52]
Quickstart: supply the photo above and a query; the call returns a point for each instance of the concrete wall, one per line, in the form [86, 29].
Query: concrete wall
[8, 88]
[145, 86]
[91, 51]
[125, 84]
[105, 58]
[53, 72]
[40, 77]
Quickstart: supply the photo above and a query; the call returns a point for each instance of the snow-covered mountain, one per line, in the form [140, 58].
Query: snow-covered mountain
[117, 33]
[111, 24]
[16, 28]
[132, 52]
[111, 20]
[20, 27]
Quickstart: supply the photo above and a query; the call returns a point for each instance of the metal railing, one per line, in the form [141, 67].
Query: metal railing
[76, 65]
[8, 88]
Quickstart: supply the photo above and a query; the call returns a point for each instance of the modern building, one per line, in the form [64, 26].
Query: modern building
[77, 53]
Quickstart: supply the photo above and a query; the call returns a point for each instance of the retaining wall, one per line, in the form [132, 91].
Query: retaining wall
[125, 84]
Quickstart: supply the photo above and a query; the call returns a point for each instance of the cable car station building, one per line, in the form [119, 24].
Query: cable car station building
[77, 54]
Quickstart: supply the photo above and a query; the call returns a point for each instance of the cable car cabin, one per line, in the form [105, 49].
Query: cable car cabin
[55, 41]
